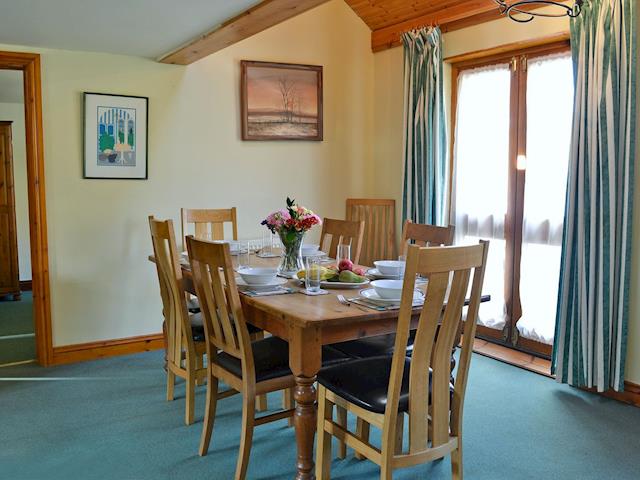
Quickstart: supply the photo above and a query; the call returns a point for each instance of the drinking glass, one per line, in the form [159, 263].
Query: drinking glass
[343, 253]
[242, 256]
[313, 274]
[267, 244]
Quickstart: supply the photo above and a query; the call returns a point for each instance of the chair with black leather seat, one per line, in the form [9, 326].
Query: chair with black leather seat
[251, 368]
[418, 234]
[184, 333]
[380, 390]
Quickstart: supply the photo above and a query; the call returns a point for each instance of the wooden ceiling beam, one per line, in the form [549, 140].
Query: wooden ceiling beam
[264, 15]
[462, 15]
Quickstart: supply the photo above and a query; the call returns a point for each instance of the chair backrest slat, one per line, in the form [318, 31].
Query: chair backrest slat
[379, 239]
[342, 232]
[426, 235]
[214, 279]
[174, 307]
[208, 222]
[448, 270]
[423, 348]
[440, 396]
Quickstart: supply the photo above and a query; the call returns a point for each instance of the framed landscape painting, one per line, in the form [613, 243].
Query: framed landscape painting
[115, 136]
[281, 101]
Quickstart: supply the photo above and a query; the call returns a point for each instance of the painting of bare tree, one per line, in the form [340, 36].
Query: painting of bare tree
[281, 101]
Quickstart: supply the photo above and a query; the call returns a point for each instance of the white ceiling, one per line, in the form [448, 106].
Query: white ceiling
[11, 86]
[146, 28]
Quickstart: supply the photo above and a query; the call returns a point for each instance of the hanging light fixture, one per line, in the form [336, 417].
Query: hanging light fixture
[518, 11]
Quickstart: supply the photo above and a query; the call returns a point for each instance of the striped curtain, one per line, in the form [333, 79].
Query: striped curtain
[593, 297]
[425, 139]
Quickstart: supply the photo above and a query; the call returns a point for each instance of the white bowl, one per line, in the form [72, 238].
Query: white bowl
[388, 289]
[258, 276]
[390, 267]
[309, 249]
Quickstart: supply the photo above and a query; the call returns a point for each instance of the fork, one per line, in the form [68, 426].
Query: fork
[343, 300]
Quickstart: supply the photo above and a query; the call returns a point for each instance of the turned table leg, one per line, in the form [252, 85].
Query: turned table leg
[305, 425]
[305, 358]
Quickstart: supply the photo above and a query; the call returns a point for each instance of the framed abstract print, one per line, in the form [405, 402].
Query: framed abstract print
[115, 136]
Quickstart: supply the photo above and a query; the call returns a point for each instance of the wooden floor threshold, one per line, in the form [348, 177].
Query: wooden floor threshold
[512, 357]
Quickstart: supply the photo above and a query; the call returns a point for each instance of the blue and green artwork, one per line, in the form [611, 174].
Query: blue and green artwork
[116, 136]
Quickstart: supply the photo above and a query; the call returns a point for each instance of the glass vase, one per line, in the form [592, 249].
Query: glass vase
[291, 262]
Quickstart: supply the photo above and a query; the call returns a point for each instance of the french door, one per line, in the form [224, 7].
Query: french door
[511, 147]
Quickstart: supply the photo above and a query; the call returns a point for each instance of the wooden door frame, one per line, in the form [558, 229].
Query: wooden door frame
[29, 64]
[515, 54]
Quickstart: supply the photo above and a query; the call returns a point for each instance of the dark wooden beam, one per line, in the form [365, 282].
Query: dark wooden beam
[258, 18]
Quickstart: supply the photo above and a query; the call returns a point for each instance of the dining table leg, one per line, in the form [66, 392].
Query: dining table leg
[305, 358]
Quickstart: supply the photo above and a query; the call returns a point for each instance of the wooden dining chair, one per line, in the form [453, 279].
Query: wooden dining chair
[379, 237]
[184, 333]
[338, 232]
[381, 390]
[251, 368]
[426, 235]
[208, 222]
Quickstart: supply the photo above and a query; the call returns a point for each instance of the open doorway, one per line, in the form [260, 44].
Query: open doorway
[17, 330]
[34, 245]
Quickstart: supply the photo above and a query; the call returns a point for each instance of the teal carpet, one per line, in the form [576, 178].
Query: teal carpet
[108, 420]
[17, 342]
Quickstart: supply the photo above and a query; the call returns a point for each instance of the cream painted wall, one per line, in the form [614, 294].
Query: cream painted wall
[15, 113]
[102, 286]
[388, 131]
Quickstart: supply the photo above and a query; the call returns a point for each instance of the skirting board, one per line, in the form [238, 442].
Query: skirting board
[631, 394]
[108, 348]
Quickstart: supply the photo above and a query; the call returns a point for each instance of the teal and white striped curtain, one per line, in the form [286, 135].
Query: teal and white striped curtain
[425, 140]
[593, 297]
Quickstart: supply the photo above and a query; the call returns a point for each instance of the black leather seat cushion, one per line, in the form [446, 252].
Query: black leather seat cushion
[365, 382]
[197, 327]
[271, 359]
[377, 346]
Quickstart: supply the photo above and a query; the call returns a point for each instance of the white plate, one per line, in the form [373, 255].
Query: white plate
[278, 282]
[371, 294]
[338, 285]
[343, 284]
[374, 272]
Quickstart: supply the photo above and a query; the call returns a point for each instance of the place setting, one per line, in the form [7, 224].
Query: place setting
[261, 281]
[386, 295]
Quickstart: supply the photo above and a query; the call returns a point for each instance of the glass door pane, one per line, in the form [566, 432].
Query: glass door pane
[481, 175]
[549, 117]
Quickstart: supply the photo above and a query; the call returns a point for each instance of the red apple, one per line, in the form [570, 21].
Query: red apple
[345, 264]
[360, 271]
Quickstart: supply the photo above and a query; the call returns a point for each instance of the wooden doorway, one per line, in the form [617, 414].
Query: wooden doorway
[29, 64]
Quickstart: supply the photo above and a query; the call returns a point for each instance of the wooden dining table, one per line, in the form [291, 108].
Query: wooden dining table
[307, 323]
